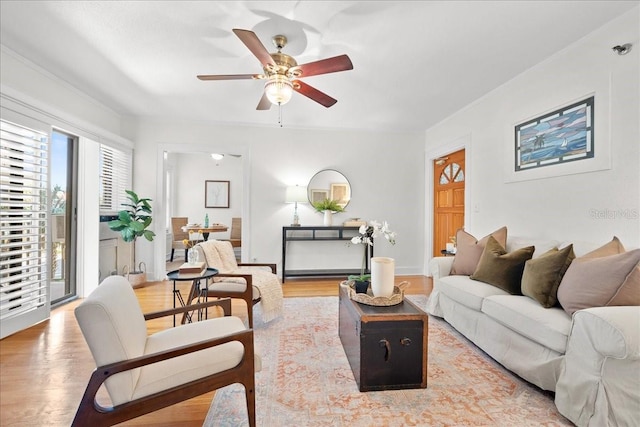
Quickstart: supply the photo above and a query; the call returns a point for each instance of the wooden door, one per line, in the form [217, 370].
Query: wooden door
[448, 203]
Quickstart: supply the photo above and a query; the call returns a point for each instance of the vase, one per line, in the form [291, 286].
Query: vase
[192, 256]
[328, 218]
[382, 276]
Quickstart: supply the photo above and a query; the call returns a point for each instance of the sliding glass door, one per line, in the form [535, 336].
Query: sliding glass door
[63, 216]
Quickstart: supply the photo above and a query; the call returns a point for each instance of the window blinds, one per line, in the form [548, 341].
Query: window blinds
[23, 222]
[115, 178]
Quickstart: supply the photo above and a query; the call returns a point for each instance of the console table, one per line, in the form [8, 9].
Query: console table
[319, 233]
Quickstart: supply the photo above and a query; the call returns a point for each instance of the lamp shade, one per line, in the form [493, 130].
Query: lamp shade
[296, 193]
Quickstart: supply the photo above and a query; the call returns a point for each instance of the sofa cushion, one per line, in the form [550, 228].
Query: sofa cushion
[542, 275]
[542, 245]
[502, 269]
[469, 250]
[611, 248]
[597, 282]
[467, 292]
[548, 327]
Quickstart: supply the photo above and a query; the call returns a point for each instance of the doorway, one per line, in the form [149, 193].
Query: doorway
[64, 155]
[448, 203]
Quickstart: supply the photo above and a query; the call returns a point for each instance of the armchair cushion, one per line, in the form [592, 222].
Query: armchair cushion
[180, 370]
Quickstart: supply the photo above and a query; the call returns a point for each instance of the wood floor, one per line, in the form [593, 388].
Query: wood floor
[44, 369]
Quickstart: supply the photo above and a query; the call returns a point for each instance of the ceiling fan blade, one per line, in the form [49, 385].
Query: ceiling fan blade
[264, 103]
[323, 66]
[256, 47]
[230, 76]
[313, 93]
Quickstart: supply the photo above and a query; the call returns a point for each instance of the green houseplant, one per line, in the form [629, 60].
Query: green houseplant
[328, 207]
[133, 222]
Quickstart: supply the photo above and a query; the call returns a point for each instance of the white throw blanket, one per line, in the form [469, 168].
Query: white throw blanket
[219, 254]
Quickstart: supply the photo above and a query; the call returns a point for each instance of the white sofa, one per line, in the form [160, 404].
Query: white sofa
[591, 360]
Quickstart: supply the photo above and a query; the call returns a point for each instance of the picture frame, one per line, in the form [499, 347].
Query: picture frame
[340, 193]
[318, 195]
[216, 194]
[560, 136]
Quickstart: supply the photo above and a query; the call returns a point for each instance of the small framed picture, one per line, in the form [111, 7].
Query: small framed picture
[216, 194]
[340, 193]
[319, 195]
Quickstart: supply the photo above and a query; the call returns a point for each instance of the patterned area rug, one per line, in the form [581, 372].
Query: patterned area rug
[306, 380]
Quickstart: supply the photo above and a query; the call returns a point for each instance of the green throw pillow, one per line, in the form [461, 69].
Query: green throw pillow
[542, 275]
[502, 269]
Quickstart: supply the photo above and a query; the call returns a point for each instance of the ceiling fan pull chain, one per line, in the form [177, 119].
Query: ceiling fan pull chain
[280, 114]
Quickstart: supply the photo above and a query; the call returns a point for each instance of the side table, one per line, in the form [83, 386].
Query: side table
[199, 289]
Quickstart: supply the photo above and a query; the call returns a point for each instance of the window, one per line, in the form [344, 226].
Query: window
[115, 178]
[23, 226]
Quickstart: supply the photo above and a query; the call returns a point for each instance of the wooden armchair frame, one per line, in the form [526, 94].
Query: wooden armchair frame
[247, 295]
[91, 413]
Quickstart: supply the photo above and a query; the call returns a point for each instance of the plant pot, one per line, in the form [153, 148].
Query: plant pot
[361, 286]
[136, 277]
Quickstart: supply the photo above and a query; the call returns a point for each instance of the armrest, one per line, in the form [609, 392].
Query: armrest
[271, 266]
[440, 266]
[598, 379]
[178, 310]
[102, 373]
[611, 331]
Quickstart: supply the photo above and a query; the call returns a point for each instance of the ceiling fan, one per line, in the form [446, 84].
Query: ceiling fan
[282, 72]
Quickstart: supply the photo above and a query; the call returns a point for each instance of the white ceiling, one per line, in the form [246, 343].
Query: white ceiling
[415, 62]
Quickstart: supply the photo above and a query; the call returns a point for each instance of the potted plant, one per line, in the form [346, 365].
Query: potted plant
[328, 207]
[133, 222]
[366, 235]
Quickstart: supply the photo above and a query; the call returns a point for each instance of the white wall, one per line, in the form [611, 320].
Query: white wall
[385, 171]
[562, 202]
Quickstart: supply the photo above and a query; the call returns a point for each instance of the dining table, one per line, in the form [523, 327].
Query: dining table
[198, 228]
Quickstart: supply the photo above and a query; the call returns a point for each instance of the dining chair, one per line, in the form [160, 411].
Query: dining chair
[143, 373]
[178, 235]
[235, 236]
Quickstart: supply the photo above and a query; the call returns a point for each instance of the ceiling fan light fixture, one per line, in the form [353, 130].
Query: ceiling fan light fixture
[278, 89]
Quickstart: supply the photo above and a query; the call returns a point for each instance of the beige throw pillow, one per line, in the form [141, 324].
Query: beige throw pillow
[541, 277]
[469, 250]
[599, 282]
[612, 248]
[502, 269]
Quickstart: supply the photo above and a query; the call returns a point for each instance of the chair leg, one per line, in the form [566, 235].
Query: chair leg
[172, 252]
[251, 403]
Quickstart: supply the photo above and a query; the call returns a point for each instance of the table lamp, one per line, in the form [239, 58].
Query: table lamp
[296, 194]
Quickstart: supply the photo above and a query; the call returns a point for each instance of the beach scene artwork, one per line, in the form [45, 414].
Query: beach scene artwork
[561, 136]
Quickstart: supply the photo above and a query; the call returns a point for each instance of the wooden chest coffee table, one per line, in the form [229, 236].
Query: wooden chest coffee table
[386, 346]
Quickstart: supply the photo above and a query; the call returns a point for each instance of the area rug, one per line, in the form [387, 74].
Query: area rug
[306, 380]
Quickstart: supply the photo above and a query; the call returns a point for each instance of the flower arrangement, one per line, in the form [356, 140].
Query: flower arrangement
[191, 255]
[367, 233]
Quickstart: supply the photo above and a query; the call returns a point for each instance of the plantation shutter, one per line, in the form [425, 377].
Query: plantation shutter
[115, 178]
[23, 227]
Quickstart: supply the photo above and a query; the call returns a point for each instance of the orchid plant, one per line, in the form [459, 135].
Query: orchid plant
[367, 233]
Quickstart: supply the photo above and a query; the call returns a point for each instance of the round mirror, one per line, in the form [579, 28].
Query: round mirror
[329, 184]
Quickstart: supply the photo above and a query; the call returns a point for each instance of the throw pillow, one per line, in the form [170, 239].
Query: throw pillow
[598, 282]
[612, 248]
[469, 250]
[502, 269]
[541, 277]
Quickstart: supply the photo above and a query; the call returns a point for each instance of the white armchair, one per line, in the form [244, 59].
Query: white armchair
[145, 373]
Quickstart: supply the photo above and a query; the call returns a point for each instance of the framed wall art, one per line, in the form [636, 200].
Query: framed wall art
[318, 195]
[561, 136]
[216, 194]
[340, 192]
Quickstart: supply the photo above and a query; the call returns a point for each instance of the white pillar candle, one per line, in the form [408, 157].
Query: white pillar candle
[382, 276]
